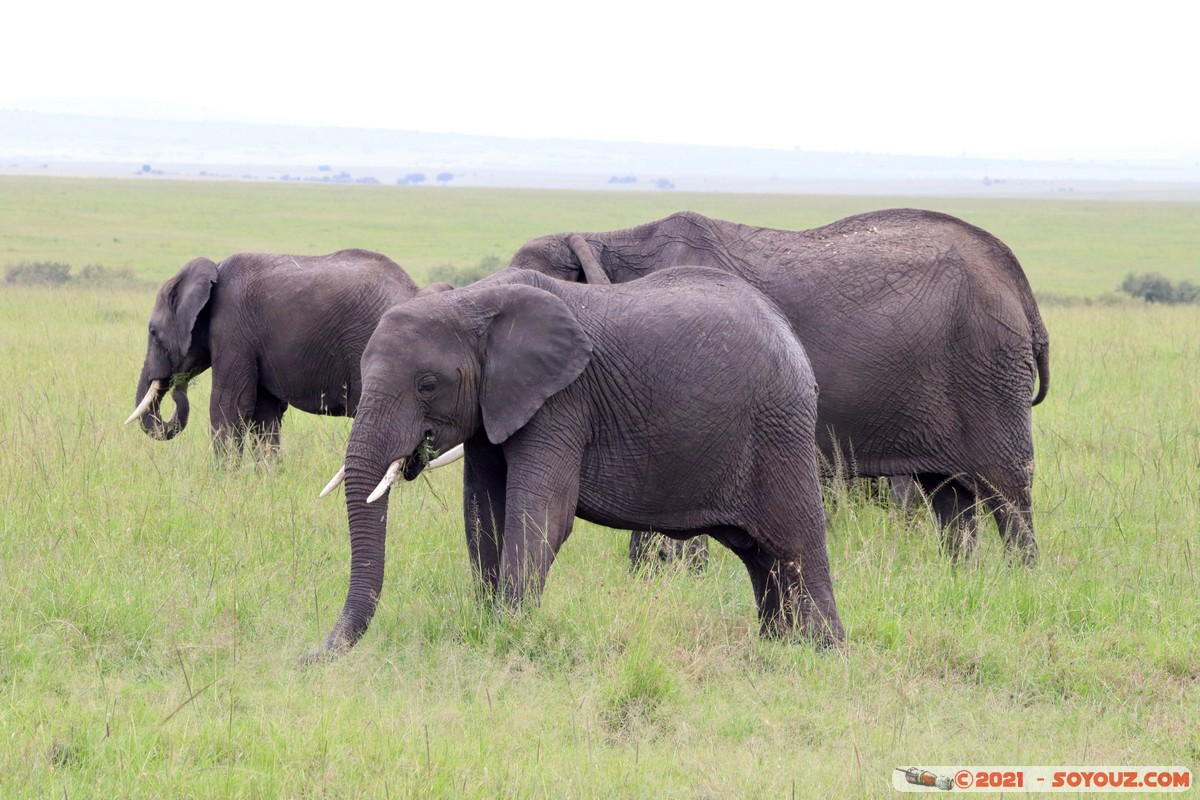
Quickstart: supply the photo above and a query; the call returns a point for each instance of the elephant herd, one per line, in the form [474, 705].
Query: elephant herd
[687, 376]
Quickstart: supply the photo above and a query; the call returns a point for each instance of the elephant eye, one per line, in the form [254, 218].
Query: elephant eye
[427, 384]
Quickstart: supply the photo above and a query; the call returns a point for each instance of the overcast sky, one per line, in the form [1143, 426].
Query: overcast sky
[1019, 78]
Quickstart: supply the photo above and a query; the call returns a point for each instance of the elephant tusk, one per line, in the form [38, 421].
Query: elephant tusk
[392, 471]
[151, 396]
[448, 457]
[335, 481]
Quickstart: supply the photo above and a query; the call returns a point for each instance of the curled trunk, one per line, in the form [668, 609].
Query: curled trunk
[152, 422]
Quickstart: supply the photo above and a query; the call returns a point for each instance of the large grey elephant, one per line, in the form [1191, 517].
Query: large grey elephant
[277, 331]
[681, 402]
[922, 331]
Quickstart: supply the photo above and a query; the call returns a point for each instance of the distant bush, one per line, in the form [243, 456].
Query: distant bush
[38, 273]
[461, 276]
[1059, 300]
[445, 177]
[54, 273]
[1153, 287]
[97, 275]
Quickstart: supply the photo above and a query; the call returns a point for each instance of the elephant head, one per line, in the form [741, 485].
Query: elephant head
[177, 349]
[437, 371]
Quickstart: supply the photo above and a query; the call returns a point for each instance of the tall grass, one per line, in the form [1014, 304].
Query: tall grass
[155, 605]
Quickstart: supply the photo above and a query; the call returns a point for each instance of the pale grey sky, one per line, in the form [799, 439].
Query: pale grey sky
[1021, 78]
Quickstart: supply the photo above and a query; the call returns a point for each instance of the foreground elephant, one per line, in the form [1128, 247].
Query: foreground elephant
[277, 331]
[922, 331]
[681, 402]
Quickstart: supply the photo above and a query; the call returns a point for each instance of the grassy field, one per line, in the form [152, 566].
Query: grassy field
[155, 606]
[154, 228]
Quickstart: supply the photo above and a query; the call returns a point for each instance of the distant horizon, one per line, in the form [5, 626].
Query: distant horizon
[56, 143]
[154, 113]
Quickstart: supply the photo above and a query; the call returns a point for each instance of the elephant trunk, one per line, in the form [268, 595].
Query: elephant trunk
[593, 272]
[151, 418]
[368, 534]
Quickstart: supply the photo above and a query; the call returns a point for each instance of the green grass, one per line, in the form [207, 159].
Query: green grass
[154, 228]
[155, 606]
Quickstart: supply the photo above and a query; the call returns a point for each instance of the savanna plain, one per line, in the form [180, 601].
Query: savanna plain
[154, 605]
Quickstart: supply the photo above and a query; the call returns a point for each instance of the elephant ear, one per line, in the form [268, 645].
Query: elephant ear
[187, 296]
[534, 347]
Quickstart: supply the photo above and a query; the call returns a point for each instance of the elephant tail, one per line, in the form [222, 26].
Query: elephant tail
[1041, 355]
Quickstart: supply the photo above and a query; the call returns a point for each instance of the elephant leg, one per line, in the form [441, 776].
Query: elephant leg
[485, 478]
[902, 491]
[1013, 512]
[543, 492]
[265, 425]
[694, 552]
[781, 541]
[642, 549]
[792, 595]
[769, 592]
[231, 406]
[787, 525]
[954, 507]
[647, 548]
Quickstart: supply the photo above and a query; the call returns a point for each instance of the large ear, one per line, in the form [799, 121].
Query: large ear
[533, 349]
[188, 297]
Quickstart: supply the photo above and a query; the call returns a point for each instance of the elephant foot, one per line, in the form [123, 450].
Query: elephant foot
[820, 633]
[1024, 553]
[958, 542]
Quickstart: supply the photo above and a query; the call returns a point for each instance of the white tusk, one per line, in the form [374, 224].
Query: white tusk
[448, 457]
[151, 394]
[334, 481]
[392, 471]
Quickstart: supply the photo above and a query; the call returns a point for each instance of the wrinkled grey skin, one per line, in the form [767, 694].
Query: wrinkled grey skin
[276, 330]
[682, 403]
[922, 331]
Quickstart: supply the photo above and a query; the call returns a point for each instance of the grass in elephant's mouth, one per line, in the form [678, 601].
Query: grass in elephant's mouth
[426, 452]
[180, 381]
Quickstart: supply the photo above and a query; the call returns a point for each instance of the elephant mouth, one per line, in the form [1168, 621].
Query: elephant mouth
[409, 466]
[420, 458]
[413, 466]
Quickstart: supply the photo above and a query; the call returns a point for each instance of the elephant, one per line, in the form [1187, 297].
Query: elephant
[922, 330]
[277, 331]
[681, 402]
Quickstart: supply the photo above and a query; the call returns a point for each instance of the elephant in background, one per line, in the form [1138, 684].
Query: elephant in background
[277, 331]
[681, 403]
[922, 330]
